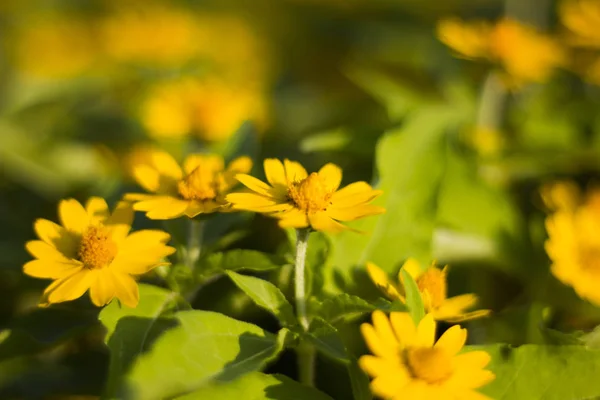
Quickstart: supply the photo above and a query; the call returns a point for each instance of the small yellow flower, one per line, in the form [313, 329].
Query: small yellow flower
[300, 200]
[408, 364]
[433, 287]
[525, 54]
[582, 18]
[199, 188]
[573, 242]
[209, 109]
[93, 249]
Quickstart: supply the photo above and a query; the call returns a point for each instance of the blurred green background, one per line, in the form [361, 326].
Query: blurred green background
[86, 86]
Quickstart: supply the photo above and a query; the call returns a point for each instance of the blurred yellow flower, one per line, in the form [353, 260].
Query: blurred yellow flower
[210, 109]
[525, 54]
[407, 363]
[573, 242]
[433, 287]
[93, 249]
[56, 47]
[199, 188]
[582, 18]
[487, 141]
[300, 200]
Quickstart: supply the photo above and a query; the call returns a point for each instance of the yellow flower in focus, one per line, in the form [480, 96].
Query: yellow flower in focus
[300, 200]
[55, 47]
[407, 363]
[149, 33]
[573, 242]
[210, 109]
[199, 188]
[433, 288]
[525, 54]
[582, 18]
[93, 249]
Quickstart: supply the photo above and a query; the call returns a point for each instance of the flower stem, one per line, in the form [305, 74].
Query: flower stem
[305, 351]
[194, 242]
[300, 284]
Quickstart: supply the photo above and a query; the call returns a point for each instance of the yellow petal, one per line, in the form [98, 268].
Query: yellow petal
[120, 221]
[255, 184]
[380, 279]
[97, 210]
[376, 366]
[293, 218]
[73, 216]
[275, 172]
[468, 316]
[404, 328]
[372, 340]
[453, 309]
[469, 379]
[241, 165]
[418, 389]
[103, 290]
[137, 196]
[413, 267]
[253, 202]
[148, 178]
[353, 213]
[354, 194]
[162, 207]
[51, 269]
[56, 236]
[71, 287]
[294, 171]
[382, 326]
[194, 208]
[388, 385]
[166, 165]
[331, 174]
[471, 360]
[44, 251]
[453, 340]
[426, 331]
[472, 395]
[126, 289]
[144, 239]
[319, 221]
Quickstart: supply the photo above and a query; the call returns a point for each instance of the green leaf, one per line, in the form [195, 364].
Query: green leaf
[131, 331]
[533, 372]
[410, 162]
[267, 296]
[317, 254]
[204, 348]
[255, 386]
[345, 306]
[236, 260]
[414, 301]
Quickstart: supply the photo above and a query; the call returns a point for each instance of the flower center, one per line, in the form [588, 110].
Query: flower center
[96, 249]
[200, 184]
[429, 364]
[434, 281]
[310, 194]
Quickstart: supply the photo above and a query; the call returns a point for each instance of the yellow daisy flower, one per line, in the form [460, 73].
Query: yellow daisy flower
[573, 242]
[581, 18]
[92, 249]
[199, 188]
[300, 200]
[433, 287]
[407, 363]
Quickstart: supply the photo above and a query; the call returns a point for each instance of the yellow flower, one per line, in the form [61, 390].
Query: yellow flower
[300, 200]
[211, 109]
[582, 18]
[199, 188]
[573, 242]
[433, 287]
[487, 141]
[525, 54]
[407, 363]
[93, 249]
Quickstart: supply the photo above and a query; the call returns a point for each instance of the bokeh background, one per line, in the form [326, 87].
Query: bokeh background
[86, 87]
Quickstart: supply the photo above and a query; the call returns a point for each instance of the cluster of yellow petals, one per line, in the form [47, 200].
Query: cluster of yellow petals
[301, 200]
[199, 187]
[407, 362]
[94, 250]
[432, 285]
[573, 243]
[210, 109]
[524, 54]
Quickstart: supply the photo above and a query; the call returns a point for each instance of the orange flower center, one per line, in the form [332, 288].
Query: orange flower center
[200, 184]
[434, 282]
[429, 364]
[310, 194]
[96, 249]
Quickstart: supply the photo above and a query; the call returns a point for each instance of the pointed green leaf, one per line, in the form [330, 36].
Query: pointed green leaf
[533, 372]
[345, 306]
[267, 296]
[204, 347]
[237, 260]
[257, 386]
[414, 301]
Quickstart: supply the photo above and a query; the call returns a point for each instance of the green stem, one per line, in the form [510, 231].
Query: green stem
[300, 284]
[306, 351]
[194, 243]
